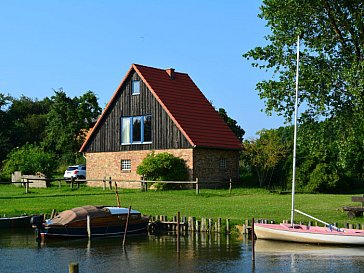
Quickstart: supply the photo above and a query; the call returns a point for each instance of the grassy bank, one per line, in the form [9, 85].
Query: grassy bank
[241, 204]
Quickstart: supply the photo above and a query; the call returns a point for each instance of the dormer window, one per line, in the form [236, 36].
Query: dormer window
[135, 87]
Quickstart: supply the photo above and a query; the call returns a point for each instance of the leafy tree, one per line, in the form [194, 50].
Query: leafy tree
[29, 159]
[332, 64]
[238, 131]
[331, 84]
[5, 143]
[67, 121]
[163, 167]
[265, 154]
[28, 119]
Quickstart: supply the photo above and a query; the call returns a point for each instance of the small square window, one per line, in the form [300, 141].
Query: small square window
[126, 165]
[222, 163]
[135, 88]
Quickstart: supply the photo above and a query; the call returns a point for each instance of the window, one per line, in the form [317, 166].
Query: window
[135, 88]
[136, 130]
[126, 165]
[222, 163]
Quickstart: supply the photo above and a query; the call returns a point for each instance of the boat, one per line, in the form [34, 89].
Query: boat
[22, 221]
[87, 221]
[309, 234]
[329, 234]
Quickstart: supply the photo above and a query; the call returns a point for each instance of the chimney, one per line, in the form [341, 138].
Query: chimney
[170, 72]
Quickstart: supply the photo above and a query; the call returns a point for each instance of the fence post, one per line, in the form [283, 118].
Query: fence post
[104, 183]
[197, 187]
[230, 186]
[110, 181]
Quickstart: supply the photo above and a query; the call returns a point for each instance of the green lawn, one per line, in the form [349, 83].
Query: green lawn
[241, 204]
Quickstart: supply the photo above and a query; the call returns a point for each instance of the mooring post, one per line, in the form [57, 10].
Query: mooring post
[227, 226]
[178, 230]
[73, 268]
[89, 226]
[253, 242]
[219, 225]
[126, 225]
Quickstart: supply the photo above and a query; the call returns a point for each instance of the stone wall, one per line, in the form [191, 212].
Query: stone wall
[108, 164]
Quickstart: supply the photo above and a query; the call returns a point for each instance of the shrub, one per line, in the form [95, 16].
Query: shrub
[163, 167]
[29, 159]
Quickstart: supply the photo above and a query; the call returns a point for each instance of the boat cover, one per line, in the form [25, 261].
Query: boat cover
[79, 214]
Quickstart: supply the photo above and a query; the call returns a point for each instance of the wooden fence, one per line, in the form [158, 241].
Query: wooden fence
[108, 182]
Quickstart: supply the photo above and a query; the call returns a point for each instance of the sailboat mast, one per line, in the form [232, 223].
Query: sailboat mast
[295, 133]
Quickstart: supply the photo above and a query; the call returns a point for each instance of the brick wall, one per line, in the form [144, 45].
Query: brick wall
[108, 164]
[207, 165]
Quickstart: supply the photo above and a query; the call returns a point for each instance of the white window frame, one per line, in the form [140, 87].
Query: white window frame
[125, 165]
[126, 130]
[135, 87]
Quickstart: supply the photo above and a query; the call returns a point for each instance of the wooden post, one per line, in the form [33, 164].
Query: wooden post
[126, 226]
[27, 186]
[210, 225]
[59, 183]
[53, 213]
[197, 226]
[72, 180]
[73, 268]
[219, 225]
[178, 230]
[230, 186]
[197, 187]
[104, 183]
[110, 181]
[203, 224]
[227, 226]
[117, 195]
[253, 241]
[89, 226]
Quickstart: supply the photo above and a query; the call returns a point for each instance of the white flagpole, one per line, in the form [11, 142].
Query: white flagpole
[295, 133]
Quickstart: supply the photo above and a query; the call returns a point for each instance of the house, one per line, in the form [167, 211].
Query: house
[162, 111]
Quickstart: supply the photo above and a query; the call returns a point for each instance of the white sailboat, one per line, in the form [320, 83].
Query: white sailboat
[328, 234]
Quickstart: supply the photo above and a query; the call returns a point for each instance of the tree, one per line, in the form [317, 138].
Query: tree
[5, 143]
[332, 64]
[28, 120]
[265, 153]
[232, 123]
[67, 121]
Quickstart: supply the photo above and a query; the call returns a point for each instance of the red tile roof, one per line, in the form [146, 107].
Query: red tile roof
[187, 107]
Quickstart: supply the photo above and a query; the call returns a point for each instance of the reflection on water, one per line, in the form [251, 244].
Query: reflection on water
[158, 253]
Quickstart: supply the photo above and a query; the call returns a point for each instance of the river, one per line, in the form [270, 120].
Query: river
[19, 252]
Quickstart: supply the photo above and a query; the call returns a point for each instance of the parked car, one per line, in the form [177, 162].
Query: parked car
[76, 171]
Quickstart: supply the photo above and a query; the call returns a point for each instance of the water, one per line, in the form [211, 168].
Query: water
[158, 253]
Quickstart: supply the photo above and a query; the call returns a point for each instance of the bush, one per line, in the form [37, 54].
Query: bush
[163, 167]
[29, 159]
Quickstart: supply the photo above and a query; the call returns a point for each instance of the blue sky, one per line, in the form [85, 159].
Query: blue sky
[90, 45]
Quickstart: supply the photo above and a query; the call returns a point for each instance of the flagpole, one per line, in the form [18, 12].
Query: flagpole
[295, 134]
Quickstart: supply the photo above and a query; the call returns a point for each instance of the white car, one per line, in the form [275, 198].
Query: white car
[76, 171]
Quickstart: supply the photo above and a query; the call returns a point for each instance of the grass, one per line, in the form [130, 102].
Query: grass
[241, 204]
